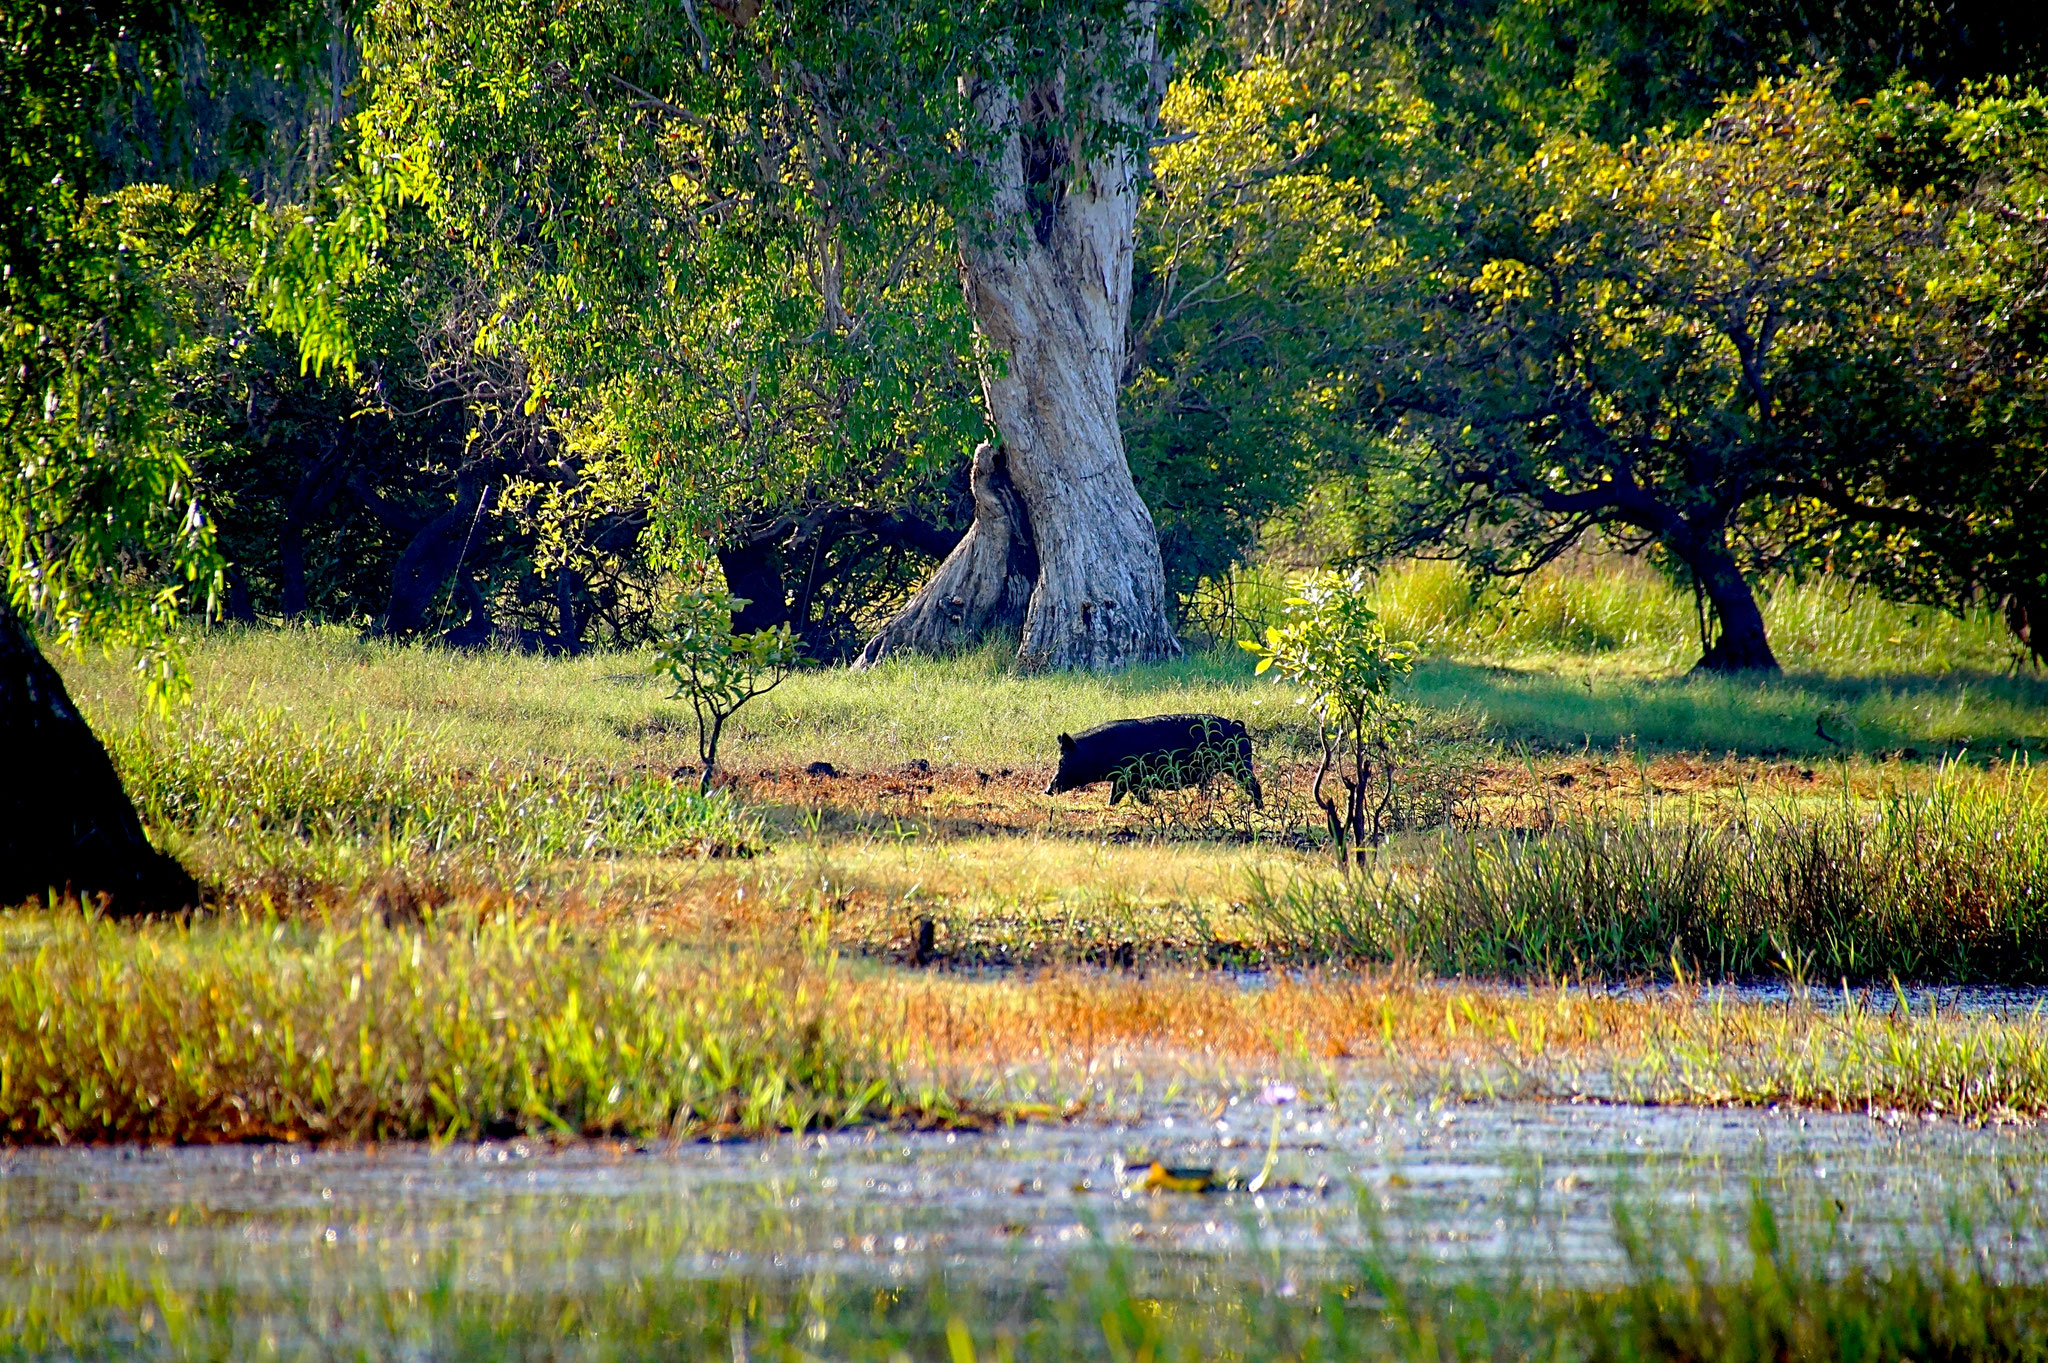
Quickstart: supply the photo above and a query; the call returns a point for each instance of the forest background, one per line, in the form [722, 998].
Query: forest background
[450, 321]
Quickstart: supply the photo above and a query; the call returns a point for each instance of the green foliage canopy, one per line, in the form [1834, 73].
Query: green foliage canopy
[128, 127]
[721, 234]
[1658, 339]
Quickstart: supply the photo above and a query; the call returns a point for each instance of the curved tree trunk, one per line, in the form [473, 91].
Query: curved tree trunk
[66, 824]
[1742, 645]
[436, 553]
[984, 586]
[1047, 272]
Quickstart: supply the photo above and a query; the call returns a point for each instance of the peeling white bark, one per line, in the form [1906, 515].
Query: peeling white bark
[1048, 278]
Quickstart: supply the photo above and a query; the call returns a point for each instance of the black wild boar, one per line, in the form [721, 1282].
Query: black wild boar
[1165, 752]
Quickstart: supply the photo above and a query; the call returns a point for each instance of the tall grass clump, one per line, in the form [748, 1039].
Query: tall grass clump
[253, 1029]
[236, 773]
[1945, 885]
[1856, 1058]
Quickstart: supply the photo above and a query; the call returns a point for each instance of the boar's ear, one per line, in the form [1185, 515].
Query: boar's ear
[1066, 742]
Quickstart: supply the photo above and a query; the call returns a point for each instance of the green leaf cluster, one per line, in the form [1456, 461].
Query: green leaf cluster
[1332, 644]
[715, 669]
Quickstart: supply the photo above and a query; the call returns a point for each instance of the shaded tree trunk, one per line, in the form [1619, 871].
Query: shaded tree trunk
[434, 554]
[983, 587]
[477, 629]
[2026, 615]
[291, 568]
[66, 823]
[569, 621]
[315, 488]
[1742, 645]
[752, 571]
[237, 607]
[1047, 273]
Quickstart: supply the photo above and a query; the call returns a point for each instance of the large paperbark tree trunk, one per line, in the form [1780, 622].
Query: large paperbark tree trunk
[66, 824]
[1062, 554]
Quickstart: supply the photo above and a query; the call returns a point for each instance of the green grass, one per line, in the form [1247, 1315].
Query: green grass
[250, 773]
[1795, 716]
[609, 713]
[247, 1027]
[1596, 654]
[1857, 1058]
[1619, 612]
[1806, 1289]
[1946, 884]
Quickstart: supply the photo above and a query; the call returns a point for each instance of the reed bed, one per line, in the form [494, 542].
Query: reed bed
[1946, 884]
[254, 1029]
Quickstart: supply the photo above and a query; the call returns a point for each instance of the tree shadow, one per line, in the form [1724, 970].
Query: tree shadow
[1968, 716]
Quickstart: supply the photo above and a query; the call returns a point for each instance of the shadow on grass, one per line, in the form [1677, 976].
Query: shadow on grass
[1957, 715]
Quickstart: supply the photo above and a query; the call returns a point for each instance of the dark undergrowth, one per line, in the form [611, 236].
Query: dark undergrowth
[1944, 886]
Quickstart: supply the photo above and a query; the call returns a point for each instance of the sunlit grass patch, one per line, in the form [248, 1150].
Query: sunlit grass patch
[1618, 610]
[232, 772]
[249, 1028]
[1857, 1058]
[976, 709]
[246, 1028]
[609, 711]
[1055, 1044]
[1800, 715]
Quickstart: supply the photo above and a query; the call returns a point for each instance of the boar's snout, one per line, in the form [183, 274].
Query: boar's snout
[1059, 780]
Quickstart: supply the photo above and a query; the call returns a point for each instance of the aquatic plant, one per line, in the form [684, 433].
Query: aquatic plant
[254, 1029]
[1788, 1289]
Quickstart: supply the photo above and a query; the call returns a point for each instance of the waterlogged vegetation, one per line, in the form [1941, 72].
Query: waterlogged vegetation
[1778, 1292]
[240, 1029]
[1943, 881]
[460, 897]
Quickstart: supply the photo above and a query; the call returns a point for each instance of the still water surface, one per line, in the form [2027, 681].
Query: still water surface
[1469, 1187]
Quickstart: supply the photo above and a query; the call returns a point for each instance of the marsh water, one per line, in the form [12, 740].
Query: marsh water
[303, 1247]
[1528, 1188]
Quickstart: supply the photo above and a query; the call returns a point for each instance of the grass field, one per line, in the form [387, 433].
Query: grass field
[1570, 812]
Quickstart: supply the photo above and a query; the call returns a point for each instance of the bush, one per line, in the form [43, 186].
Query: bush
[1331, 644]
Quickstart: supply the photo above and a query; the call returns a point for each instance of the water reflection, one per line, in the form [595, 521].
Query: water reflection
[1530, 1185]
